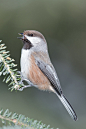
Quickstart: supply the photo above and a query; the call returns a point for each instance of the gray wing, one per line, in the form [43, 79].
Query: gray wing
[51, 75]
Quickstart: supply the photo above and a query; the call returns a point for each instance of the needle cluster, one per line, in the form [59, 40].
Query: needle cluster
[21, 120]
[8, 69]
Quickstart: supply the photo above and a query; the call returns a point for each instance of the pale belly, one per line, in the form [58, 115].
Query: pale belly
[25, 63]
[30, 71]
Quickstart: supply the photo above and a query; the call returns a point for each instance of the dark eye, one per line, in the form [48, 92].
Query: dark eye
[31, 34]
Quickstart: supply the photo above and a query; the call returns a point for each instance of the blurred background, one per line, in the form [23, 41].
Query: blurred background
[63, 23]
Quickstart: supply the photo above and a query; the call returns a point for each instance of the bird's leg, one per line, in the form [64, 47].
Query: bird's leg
[25, 86]
[28, 81]
[21, 82]
[30, 85]
[21, 89]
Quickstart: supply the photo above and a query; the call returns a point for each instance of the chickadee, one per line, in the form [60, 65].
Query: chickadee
[37, 68]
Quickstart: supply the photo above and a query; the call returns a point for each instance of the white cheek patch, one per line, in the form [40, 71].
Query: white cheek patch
[33, 40]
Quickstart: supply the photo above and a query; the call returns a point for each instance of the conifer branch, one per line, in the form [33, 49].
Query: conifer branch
[21, 120]
[8, 68]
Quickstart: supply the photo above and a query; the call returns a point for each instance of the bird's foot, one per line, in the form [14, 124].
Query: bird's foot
[22, 83]
[22, 88]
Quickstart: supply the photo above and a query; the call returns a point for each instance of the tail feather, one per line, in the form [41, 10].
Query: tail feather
[68, 106]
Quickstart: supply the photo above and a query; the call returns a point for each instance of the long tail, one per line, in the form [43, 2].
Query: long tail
[68, 106]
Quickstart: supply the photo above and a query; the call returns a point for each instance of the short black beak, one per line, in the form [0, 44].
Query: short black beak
[20, 37]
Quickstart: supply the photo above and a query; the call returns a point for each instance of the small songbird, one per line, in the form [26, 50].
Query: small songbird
[37, 68]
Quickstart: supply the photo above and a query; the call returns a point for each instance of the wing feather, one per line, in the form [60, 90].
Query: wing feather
[51, 75]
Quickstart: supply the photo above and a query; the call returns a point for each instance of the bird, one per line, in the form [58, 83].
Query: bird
[37, 69]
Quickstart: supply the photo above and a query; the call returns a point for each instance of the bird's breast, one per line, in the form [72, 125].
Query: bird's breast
[25, 62]
[37, 77]
[31, 71]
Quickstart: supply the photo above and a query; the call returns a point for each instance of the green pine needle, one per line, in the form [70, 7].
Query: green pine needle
[8, 69]
[21, 120]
